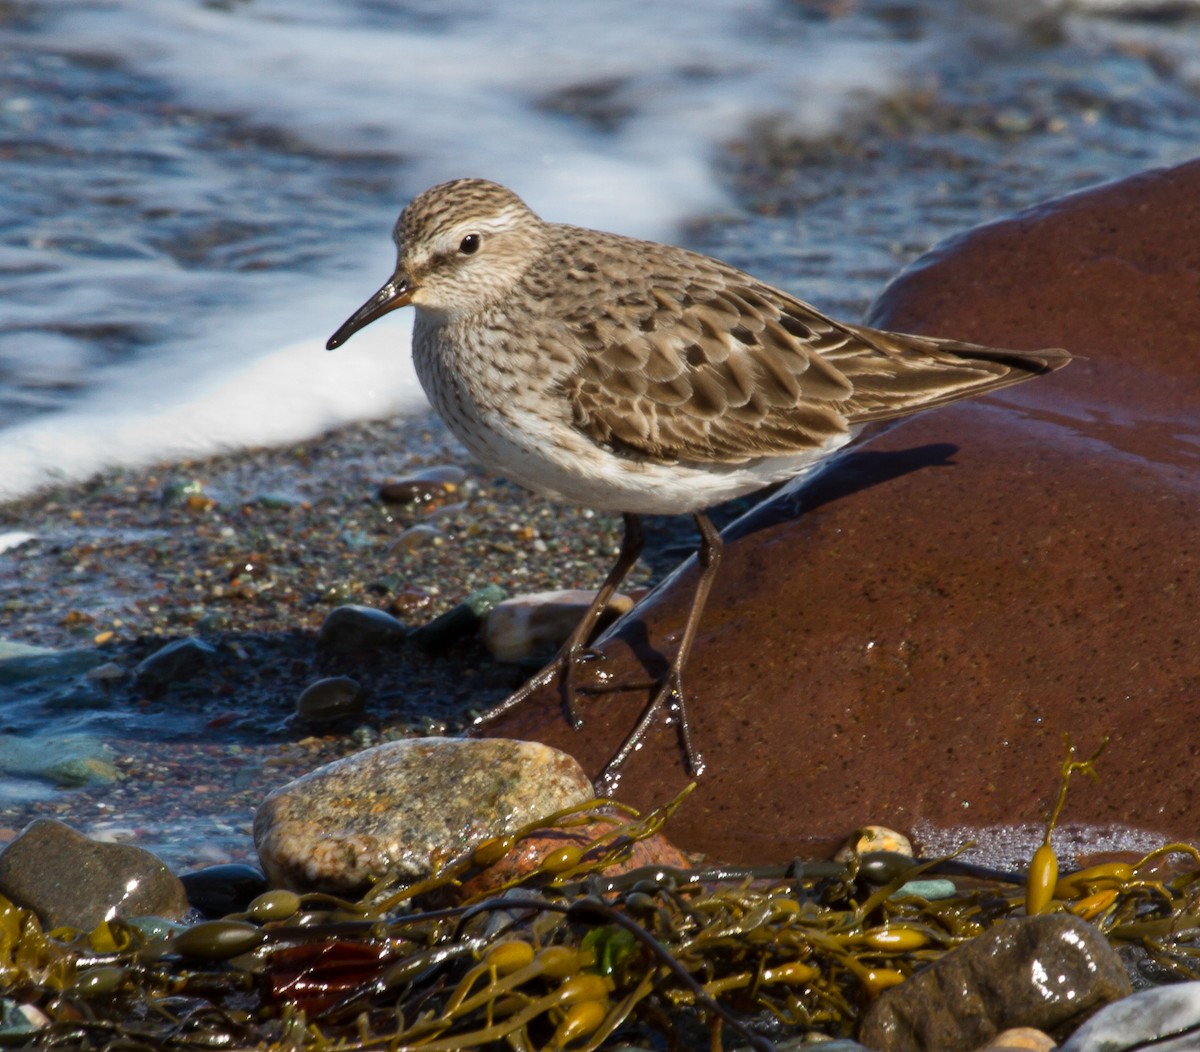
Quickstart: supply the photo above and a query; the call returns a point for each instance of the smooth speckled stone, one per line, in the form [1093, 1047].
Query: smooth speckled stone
[1164, 1019]
[1049, 972]
[174, 663]
[400, 808]
[68, 879]
[536, 625]
[875, 838]
[359, 627]
[330, 699]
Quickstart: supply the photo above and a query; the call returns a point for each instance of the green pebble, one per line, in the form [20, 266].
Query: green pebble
[929, 890]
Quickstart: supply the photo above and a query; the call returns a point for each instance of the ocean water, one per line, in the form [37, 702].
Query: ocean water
[195, 194]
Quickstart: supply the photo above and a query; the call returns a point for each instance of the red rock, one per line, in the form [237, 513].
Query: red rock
[655, 850]
[954, 599]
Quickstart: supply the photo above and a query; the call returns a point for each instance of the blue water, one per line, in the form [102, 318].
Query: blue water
[195, 194]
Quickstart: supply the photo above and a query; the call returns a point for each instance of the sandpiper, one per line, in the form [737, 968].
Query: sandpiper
[642, 378]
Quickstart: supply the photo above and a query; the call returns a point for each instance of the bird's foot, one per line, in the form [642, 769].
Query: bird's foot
[669, 695]
[565, 668]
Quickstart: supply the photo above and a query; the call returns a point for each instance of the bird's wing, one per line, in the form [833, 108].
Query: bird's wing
[685, 358]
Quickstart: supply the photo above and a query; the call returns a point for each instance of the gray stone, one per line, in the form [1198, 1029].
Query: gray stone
[330, 699]
[1049, 972]
[535, 625]
[70, 760]
[359, 627]
[174, 663]
[21, 663]
[1166, 1019]
[403, 807]
[70, 880]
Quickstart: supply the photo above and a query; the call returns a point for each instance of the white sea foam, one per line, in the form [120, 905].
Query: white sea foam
[448, 90]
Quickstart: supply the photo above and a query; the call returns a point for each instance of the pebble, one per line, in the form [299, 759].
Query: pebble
[70, 880]
[403, 807]
[532, 851]
[536, 625]
[875, 838]
[223, 889]
[67, 761]
[174, 663]
[21, 663]
[461, 621]
[1165, 1019]
[1021, 1039]
[330, 699]
[109, 672]
[415, 537]
[424, 487]
[354, 627]
[17, 1020]
[1048, 972]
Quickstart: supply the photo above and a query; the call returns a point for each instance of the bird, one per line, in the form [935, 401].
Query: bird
[641, 378]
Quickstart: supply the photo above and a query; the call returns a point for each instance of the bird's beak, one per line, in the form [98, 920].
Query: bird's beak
[396, 293]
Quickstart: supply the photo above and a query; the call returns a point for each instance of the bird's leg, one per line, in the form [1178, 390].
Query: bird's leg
[567, 660]
[709, 557]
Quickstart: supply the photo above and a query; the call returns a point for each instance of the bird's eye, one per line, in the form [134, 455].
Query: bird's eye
[469, 245]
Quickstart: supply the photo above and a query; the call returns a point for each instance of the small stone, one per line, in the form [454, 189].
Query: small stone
[217, 891]
[174, 663]
[929, 890]
[22, 664]
[535, 625]
[400, 808]
[17, 1020]
[463, 620]
[109, 672]
[1050, 972]
[418, 491]
[359, 628]
[330, 699]
[529, 852]
[1165, 1019]
[420, 536]
[68, 761]
[875, 838]
[70, 880]
[1021, 1039]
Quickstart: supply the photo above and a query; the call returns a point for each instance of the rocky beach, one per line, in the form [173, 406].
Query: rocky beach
[241, 597]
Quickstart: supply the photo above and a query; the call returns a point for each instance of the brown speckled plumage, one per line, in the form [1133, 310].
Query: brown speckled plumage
[641, 378]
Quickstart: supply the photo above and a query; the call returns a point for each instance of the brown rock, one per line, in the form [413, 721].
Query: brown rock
[1048, 972]
[68, 879]
[528, 854]
[910, 646]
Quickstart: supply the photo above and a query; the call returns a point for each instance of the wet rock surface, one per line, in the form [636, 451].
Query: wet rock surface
[175, 662]
[1045, 972]
[403, 808]
[70, 880]
[354, 627]
[1166, 1019]
[908, 640]
[572, 843]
